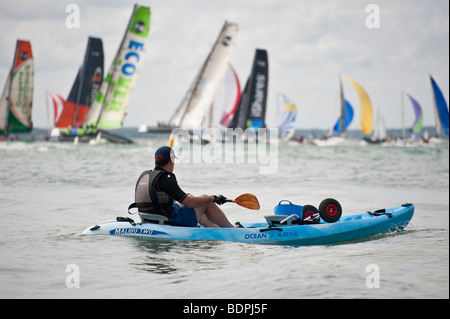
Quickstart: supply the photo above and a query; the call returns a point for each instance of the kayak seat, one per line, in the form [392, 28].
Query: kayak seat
[153, 218]
[284, 220]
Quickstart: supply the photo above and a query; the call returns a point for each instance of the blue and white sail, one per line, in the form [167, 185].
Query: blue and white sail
[288, 117]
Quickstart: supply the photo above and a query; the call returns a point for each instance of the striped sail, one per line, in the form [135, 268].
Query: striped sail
[366, 107]
[17, 98]
[109, 108]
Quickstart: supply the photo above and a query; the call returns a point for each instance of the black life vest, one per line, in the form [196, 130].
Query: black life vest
[148, 199]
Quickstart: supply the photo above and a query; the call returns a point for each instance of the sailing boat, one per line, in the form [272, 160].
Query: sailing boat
[108, 110]
[251, 111]
[440, 110]
[346, 117]
[195, 105]
[379, 132]
[17, 97]
[288, 116]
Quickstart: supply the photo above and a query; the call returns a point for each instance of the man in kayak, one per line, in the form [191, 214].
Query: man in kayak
[157, 192]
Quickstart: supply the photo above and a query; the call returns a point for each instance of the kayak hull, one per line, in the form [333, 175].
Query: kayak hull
[347, 228]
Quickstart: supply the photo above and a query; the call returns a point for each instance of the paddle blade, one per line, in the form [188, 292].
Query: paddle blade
[248, 201]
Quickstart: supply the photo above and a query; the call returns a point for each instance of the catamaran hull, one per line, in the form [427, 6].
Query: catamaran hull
[348, 228]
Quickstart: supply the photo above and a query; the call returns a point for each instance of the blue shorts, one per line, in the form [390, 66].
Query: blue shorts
[183, 216]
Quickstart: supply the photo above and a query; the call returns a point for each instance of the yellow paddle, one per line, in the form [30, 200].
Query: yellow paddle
[246, 200]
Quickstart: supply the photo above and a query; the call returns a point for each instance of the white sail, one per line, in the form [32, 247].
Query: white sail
[196, 103]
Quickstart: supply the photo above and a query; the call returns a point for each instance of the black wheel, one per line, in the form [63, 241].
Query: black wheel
[330, 210]
[309, 210]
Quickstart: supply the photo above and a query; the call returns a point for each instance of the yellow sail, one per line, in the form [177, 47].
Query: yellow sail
[366, 107]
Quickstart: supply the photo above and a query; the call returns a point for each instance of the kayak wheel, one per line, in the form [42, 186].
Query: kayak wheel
[308, 211]
[330, 210]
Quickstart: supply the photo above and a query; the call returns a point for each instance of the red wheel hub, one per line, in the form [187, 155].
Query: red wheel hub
[332, 210]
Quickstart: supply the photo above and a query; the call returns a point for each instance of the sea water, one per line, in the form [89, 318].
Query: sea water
[51, 192]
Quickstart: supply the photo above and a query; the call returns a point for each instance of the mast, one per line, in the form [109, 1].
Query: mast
[403, 115]
[342, 124]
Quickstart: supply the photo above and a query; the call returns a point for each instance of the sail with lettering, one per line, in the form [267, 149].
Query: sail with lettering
[85, 87]
[440, 109]
[196, 103]
[288, 116]
[366, 107]
[251, 111]
[109, 108]
[17, 98]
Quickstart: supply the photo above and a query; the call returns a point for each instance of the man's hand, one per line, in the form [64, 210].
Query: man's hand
[220, 200]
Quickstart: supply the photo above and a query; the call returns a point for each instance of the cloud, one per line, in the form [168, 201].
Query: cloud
[310, 42]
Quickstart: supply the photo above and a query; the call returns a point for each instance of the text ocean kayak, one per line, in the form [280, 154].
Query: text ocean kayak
[347, 228]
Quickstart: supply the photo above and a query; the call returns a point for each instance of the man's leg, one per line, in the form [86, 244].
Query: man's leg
[212, 216]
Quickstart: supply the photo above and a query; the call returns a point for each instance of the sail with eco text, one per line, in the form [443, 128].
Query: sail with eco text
[109, 108]
[17, 98]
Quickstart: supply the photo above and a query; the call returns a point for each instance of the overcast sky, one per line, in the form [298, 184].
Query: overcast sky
[309, 42]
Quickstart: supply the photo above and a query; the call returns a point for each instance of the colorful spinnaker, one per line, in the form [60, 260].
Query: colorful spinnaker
[366, 107]
[417, 125]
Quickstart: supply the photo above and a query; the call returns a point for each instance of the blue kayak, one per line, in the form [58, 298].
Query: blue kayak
[277, 230]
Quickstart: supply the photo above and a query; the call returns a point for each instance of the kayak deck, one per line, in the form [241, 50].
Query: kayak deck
[347, 228]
